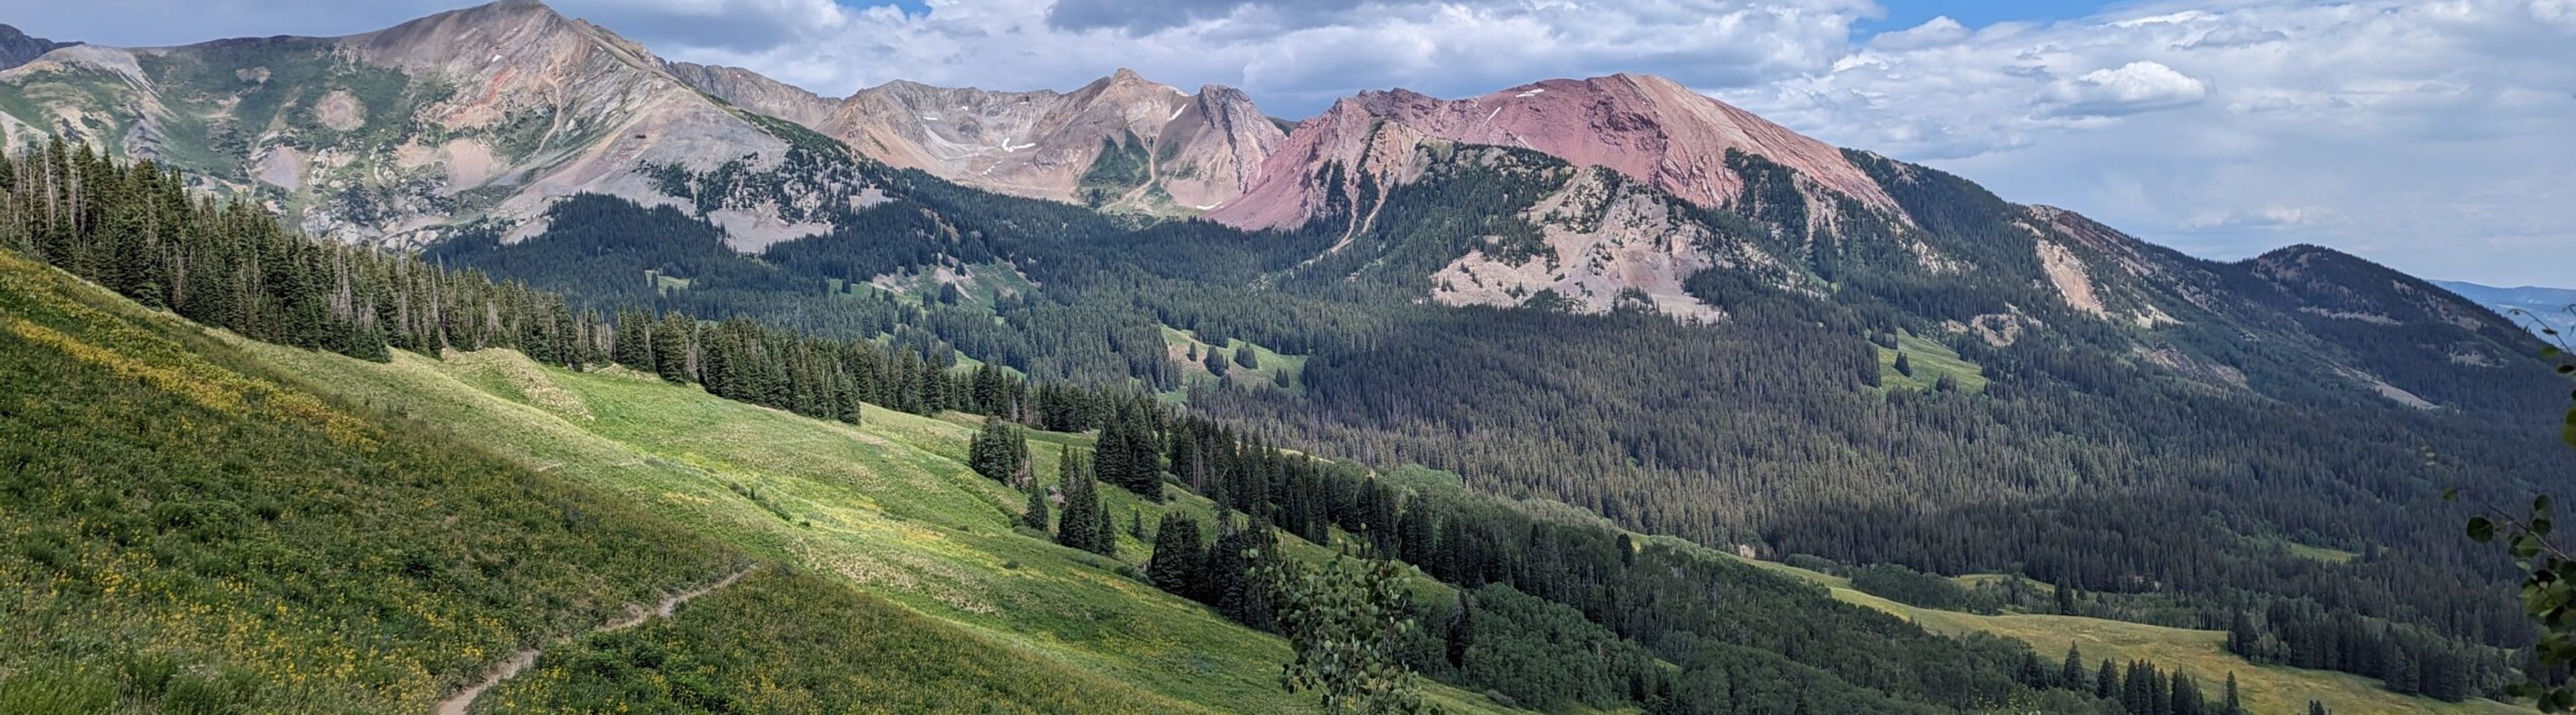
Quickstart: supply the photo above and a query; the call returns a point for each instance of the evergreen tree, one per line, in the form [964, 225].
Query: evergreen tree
[1085, 525]
[1180, 560]
[2070, 672]
[2317, 708]
[2106, 682]
[2185, 698]
[1244, 358]
[999, 451]
[1035, 516]
[1904, 365]
[673, 347]
[2234, 706]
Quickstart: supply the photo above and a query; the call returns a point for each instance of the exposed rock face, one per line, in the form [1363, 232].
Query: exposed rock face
[1604, 242]
[1121, 142]
[750, 90]
[1646, 127]
[486, 113]
[1298, 181]
[16, 48]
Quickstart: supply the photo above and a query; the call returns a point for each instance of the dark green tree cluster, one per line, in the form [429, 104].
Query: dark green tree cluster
[135, 229]
[1000, 452]
[2405, 658]
[1128, 454]
[1085, 523]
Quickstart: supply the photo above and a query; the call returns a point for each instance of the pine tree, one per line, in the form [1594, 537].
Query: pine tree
[2317, 708]
[2185, 699]
[2070, 672]
[1035, 516]
[2234, 706]
[1244, 358]
[999, 451]
[1084, 525]
[1179, 559]
[2106, 683]
[1904, 365]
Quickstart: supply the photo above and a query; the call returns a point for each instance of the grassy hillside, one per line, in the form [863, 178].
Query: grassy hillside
[194, 528]
[2267, 689]
[887, 507]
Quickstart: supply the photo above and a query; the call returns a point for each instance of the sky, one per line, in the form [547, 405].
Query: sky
[2437, 137]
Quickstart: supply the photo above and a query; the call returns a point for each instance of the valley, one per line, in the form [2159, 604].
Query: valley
[350, 372]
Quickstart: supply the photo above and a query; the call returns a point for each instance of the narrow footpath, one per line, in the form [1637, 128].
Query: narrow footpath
[456, 704]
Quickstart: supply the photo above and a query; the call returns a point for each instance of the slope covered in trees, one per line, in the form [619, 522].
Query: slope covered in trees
[896, 511]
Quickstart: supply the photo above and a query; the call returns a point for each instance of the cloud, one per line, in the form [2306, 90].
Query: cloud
[2135, 87]
[2427, 135]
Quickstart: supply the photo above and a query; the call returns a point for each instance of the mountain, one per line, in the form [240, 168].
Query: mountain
[1647, 128]
[2538, 307]
[1121, 142]
[476, 116]
[1661, 311]
[16, 48]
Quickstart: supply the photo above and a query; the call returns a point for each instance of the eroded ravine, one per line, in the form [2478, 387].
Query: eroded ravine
[457, 704]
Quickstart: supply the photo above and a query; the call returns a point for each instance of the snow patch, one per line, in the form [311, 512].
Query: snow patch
[1532, 93]
[1176, 112]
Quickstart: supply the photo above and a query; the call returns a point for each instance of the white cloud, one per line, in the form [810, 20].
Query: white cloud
[2431, 136]
[2134, 87]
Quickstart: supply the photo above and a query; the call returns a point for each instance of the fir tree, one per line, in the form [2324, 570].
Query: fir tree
[1179, 559]
[999, 451]
[1035, 516]
[2070, 672]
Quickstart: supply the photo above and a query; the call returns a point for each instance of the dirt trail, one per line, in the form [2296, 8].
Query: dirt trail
[456, 704]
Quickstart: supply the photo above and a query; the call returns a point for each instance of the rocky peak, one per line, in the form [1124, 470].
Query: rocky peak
[753, 91]
[16, 48]
[1648, 127]
[1175, 152]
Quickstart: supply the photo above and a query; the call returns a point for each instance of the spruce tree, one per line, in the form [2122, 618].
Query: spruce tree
[1035, 516]
[2234, 706]
[999, 451]
[2185, 698]
[2106, 682]
[2070, 672]
[1180, 558]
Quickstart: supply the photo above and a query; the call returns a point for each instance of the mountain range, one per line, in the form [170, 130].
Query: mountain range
[1611, 292]
[2532, 307]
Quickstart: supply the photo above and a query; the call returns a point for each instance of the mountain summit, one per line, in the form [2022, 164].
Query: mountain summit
[1121, 142]
[1648, 128]
[481, 115]
[16, 48]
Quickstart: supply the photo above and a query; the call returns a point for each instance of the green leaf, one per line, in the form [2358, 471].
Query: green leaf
[2451, 494]
[2540, 504]
[2540, 526]
[2481, 529]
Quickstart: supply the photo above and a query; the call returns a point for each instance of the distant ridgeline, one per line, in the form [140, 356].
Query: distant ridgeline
[1552, 611]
